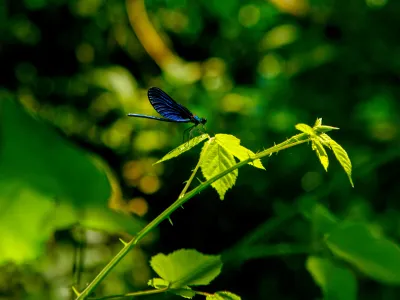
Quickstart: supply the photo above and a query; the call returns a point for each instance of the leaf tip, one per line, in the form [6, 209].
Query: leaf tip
[123, 242]
[351, 181]
[76, 291]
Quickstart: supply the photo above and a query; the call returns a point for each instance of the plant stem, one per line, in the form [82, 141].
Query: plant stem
[296, 140]
[134, 294]
[194, 171]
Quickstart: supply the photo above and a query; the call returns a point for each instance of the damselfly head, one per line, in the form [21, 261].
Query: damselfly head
[197, 120]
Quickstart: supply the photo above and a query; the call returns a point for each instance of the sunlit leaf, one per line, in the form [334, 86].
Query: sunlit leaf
[224, 295]
[232, 145]
[324, 128]
[214, 160]
[305, 129]
[325, 140]
[317, 123]
[186, 267]
[343, 158]
[321, 153]
[377, 257]
[183, 148]
[336, 282]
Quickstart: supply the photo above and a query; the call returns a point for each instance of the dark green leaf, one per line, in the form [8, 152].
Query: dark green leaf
[376, 256]
[336, 282]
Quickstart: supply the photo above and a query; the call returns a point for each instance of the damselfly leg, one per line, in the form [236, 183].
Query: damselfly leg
[190, 132]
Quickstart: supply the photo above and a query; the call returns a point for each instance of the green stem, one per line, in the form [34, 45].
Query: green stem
[194, 172]
[296, 140]
[134, 294]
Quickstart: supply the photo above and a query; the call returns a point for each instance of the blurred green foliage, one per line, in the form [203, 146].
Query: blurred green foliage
[254, 69]
[51, 186]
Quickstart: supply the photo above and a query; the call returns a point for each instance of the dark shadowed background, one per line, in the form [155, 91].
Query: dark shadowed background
[72, 69]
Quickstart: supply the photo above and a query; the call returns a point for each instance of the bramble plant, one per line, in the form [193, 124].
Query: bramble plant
[181, 270]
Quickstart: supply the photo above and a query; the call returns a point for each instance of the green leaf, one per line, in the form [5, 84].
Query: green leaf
[158, 283]
[322, 219]
[186, 267]
[232, 145]
[224, 295]
[214, 160]
[187, 292]
[336, 282]
[343, 158]
[377, 257]
[305, 129]
[183, 148]
[325, 140]
[321, 153]
[324, 128]
[318, 123]
[47, 183]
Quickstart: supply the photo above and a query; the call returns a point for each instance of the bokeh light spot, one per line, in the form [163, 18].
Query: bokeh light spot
[149, 184]
[117, 136]
[177, 71]
[295, 7]
[280, 36]
[249, 15]
[212, 83]
[148, 140]
[174, 20]
[233, 103]
[117, 80]
[214, 66]
[101, 105]
[138, 206]
[281, 120]
[150, 168]
[270, 66]
[132, 171]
